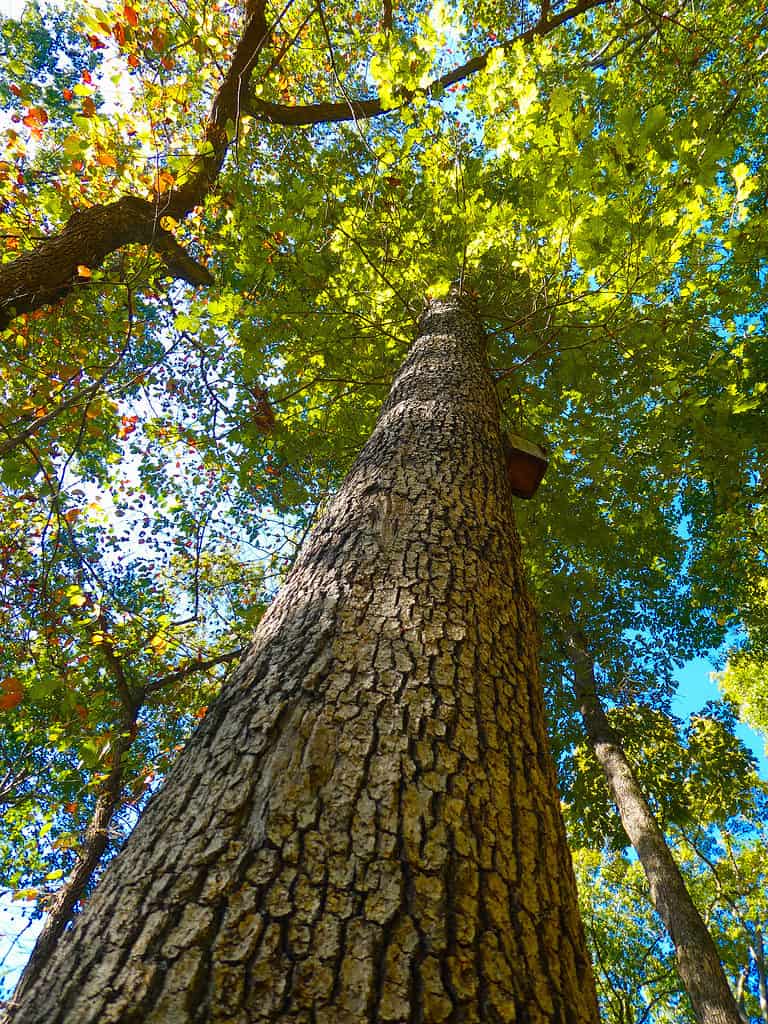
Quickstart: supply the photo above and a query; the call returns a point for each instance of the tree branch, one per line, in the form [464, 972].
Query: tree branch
[193, 666]
[352, 110]
[53, 268]
[62, 906]
[49, 272]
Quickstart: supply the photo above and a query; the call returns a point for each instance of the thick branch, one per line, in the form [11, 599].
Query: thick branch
[697, 958]
[49, 272]
[355, 110]
[52, 269]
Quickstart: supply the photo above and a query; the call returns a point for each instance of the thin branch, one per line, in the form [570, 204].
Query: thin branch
[185, 671]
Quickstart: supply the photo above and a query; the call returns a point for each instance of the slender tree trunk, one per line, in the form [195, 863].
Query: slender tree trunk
[739, 994]
[62, 907]
[366, 826]
[698, 961]
[762, 986]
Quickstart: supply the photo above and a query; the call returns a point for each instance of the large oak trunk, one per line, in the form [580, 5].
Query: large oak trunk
[366, 826]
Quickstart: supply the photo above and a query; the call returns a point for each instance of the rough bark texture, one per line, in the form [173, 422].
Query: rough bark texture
[366, 826]
[698, 961]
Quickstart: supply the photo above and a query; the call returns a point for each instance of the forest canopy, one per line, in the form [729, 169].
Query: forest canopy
[220, 226]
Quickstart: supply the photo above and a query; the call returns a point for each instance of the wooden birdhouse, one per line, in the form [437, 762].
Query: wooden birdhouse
[526, 465]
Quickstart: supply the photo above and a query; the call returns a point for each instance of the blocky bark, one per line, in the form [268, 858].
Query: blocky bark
[366, 826]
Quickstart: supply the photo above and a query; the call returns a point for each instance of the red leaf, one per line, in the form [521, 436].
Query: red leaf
[67, 94]
[87, 77]
[12, 693]
[133, 60]
[130, 16]
[96, 43]
[118, 31]
[16, 90]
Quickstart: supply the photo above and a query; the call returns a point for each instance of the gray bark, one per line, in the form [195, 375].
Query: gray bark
[698, 961]
[762, 986]
[366, 826]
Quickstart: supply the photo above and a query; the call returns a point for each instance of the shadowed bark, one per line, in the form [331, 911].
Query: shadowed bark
[698, 960]
[366, 826]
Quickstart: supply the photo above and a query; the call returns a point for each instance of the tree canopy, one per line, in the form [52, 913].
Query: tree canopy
[220, 224]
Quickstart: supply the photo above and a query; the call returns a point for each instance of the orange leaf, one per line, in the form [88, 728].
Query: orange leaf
[118, 31]
[201, 712]
[133, 60]
[36, 117]
[72, 514]
[158, 39]
[105, 159]
[84, 271]
[67, 94]
[71, 808]
[163, 181]
[168, 63]
[89, 107]
[130, 16]
[87, 77]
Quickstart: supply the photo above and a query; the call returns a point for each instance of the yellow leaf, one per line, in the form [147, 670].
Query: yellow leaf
[158, 644]
[105, 159]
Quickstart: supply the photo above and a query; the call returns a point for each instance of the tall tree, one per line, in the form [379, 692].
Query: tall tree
[366, 826]
[592, 174]
[697, 957]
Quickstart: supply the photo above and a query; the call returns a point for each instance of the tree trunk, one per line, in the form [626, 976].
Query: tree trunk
[762, 986]
[366, 826]
[698, 961]
[62, 907]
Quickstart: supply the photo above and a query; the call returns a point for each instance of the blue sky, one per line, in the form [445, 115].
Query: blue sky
[696, 687]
